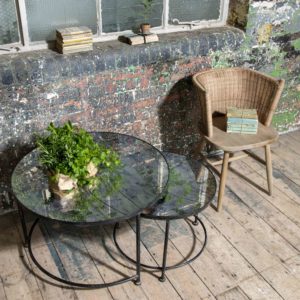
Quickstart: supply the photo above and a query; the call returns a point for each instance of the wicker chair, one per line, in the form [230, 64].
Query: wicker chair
[217, 89]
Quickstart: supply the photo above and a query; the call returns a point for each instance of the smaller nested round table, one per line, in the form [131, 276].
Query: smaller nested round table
[121, 194]
[191, 188]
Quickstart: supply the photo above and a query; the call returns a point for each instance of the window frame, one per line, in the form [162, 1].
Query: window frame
[26, 45]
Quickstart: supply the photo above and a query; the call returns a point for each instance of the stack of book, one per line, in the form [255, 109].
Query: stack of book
[242, 120]
[74, 39]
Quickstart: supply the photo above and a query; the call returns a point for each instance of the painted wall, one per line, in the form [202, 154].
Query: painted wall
[144, 90]
[272, 46]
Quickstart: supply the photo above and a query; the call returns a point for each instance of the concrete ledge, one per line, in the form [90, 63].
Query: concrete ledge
[40, 67]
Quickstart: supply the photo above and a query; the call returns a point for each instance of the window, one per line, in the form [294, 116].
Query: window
[30, 24]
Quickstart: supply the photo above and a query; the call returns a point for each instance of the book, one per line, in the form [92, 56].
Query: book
[138, 39]
[132, 39]
[76, 45]
[242, 121]
[233, 112]
[76, 42]
[68, 51]
[71, 31]
[150, 38]
[74, 48]
[73, 40]
[241, 129]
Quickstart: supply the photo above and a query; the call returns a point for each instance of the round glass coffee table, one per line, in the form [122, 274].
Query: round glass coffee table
[137, 184]
[191, 188]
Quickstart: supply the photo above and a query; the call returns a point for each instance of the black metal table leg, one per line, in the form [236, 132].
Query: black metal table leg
[164, 262]
[135, 278]
[195, 222]
[138, 250]
[164, 267]
[23, 223]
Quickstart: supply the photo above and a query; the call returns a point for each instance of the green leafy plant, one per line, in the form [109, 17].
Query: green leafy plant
[146, 13]
[70, 151]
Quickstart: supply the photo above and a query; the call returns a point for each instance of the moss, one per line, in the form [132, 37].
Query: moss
[132, 69]
[296, 44]
[284, 120]
[221, 59]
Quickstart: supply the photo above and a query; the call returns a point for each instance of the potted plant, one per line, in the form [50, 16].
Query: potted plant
[72, 159]
[146, 13]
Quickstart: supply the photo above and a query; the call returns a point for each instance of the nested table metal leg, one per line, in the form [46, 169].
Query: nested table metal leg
[138, 250]
[135, 278]
[164, 267]
[23, 223]
[164, 262]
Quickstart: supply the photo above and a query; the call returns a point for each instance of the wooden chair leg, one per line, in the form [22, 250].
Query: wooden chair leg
[223, 180]
[269, 168]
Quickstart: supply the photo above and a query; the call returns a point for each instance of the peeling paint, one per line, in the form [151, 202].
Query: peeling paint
[264, 33]
[50, 96]
[272, 46]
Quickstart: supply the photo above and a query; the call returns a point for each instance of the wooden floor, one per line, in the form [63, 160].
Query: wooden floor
[252, 251]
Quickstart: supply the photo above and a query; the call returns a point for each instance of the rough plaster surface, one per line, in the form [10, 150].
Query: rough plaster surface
[144, 90]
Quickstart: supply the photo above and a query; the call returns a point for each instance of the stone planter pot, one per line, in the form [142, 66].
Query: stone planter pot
[145, 28]
[65, 188]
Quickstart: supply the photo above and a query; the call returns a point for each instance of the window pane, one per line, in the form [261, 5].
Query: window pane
[44, 16]
[9, 32]
[193, 10]
[119, 15]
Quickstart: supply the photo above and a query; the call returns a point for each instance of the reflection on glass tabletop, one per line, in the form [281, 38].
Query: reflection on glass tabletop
[138, 183]
[191, 188]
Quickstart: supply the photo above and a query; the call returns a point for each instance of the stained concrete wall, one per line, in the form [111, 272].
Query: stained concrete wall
[144, 90]
[272, 46]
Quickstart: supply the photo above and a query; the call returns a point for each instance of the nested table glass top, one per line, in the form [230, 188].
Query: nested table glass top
[191, 187]
[138, 183]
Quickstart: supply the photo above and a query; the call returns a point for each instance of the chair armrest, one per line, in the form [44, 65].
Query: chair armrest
[276, 97]
[205, 107]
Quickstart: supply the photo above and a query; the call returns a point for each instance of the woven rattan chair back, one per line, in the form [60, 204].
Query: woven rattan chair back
[218, 89]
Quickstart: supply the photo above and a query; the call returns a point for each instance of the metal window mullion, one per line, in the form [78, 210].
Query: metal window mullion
[99, 17]
[224, 8]
[23, 22]
[165, 14]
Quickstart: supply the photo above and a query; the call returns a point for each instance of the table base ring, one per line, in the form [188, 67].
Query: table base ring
[164, 268]
[134, 278]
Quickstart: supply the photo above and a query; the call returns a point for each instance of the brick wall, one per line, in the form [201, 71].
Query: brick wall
[143, 90]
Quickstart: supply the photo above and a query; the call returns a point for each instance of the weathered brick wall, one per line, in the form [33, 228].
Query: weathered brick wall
[272, 46]
[143, 90]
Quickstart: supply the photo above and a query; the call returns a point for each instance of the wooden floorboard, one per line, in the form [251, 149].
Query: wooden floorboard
[253, 248]
[257, 287]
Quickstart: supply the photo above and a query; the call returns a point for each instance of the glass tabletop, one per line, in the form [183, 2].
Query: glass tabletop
[191, 188]
[138, 183]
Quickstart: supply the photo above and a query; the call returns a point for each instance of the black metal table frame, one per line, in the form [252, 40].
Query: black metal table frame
[28, 235]
[164, 266]
[27, 244]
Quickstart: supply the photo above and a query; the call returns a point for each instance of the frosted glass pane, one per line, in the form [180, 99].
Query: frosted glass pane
[44, 16]
[9, 32]
[193, 10]
[119, 15]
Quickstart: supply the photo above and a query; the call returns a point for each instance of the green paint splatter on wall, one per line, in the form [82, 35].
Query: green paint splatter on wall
[283, 120]
[296, 44]
[132, 69]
